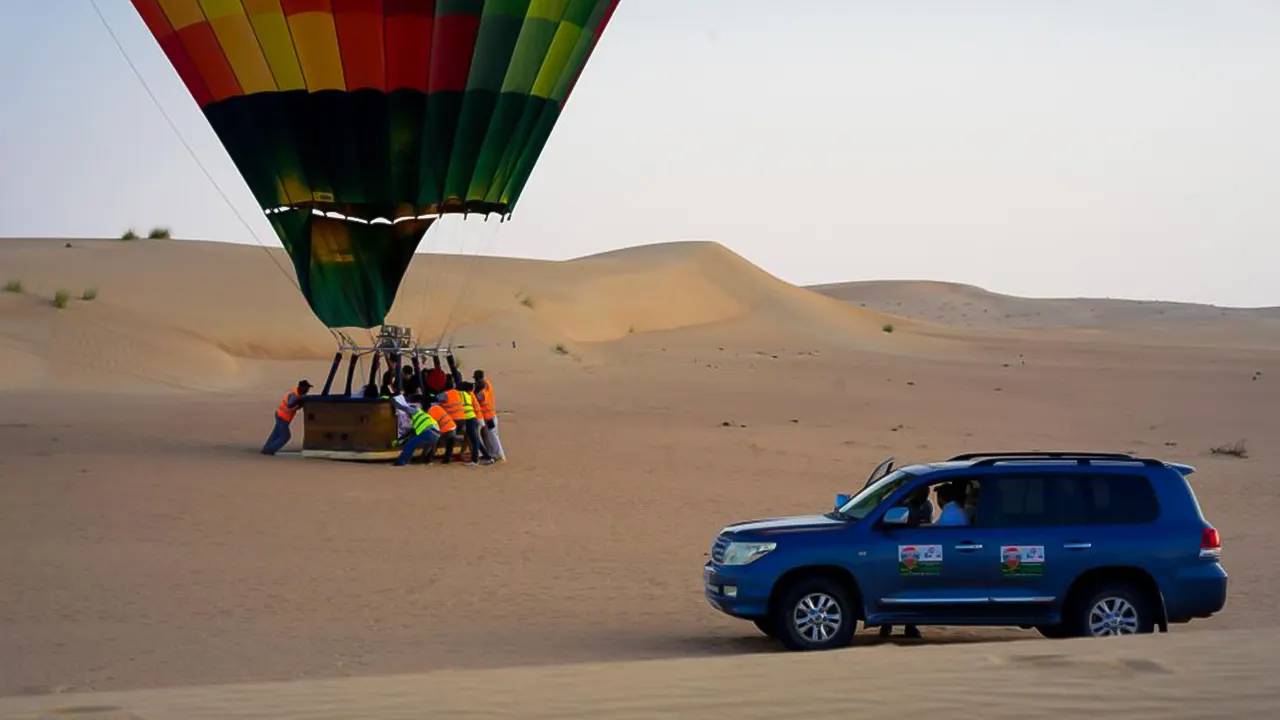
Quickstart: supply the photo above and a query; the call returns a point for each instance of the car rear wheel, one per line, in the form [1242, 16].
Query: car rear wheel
[1111, 610]
[815, 614]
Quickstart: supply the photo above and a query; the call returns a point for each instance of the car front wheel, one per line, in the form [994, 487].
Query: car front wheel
[815, 614]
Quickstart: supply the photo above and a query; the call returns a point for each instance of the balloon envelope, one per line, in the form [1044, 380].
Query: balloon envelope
[376, 109]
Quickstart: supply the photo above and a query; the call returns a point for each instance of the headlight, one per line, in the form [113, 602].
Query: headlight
[741, 553]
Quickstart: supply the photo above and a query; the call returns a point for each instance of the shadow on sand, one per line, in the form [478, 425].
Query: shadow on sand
[713, 645]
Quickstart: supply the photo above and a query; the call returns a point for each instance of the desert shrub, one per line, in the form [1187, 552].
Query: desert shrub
[887, 327]
[89, 294]
[1236, 449]
[129, 235]
[13, 286]
[61, 298]
[159, 233]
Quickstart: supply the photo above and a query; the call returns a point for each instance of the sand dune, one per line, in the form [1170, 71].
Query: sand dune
[972, 307]
[168, 297]
[148, 545]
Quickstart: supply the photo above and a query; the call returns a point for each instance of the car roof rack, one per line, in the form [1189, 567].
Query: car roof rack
[1042, 454]
[1080, 458]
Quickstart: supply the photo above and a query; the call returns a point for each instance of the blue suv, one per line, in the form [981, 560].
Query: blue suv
[1068, 543]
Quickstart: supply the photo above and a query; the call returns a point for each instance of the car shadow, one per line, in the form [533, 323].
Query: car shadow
[759, 644]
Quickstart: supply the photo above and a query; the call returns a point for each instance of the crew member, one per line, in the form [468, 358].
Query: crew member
[488, 416]
[920, 512]
[426, 433]
[448, 431]
[280, 434]
[471, 420]
[451, 401]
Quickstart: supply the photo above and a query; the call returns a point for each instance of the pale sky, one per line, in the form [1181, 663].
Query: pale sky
[1123, 148]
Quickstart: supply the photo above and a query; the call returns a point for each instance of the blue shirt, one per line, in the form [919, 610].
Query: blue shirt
[953, 515]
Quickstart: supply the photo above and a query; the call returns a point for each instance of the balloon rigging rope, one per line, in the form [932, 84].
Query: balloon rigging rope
[460, 301]
[438, 233]
[465, 233]
[185, 144]
[467, 277]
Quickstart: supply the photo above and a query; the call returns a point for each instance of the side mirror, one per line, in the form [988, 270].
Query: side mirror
[897, 516]
[842, 500]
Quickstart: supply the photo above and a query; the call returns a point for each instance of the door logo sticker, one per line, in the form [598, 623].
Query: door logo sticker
[1021, 560]
[919, 559]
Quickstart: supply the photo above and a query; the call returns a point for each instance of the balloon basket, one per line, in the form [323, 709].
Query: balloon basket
[359, 424]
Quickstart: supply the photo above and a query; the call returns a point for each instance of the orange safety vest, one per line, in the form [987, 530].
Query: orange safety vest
[453, 405]
[437, 413]
[485, 396]
[284, 412]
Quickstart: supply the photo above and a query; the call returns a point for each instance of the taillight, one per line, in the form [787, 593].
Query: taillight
[1210, 543]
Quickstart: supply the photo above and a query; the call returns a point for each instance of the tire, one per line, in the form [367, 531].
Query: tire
[1111, 609]
[817, 599]
[766, 625]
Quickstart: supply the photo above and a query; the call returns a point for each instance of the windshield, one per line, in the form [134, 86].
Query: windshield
[869, 497]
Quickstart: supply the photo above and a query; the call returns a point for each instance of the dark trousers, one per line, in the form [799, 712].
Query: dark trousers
[279, 437]
[473, 439]
[450, 440]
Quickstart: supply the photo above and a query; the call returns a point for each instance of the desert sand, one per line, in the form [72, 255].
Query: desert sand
[653, 395]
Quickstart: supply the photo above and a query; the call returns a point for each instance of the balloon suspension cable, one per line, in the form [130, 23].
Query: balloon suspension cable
[475, 260]
[437, 232]
[185, 144]
[459, 300]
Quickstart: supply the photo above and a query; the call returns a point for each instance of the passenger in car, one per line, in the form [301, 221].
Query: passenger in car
[953, 513]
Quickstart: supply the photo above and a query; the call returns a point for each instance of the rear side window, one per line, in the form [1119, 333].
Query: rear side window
[1052, 499]
[1022, 501]
[1116, 499]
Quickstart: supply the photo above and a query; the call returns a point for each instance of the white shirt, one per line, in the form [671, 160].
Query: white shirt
[953, 514]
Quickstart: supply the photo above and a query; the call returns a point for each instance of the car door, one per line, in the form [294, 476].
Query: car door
[930, 572]
[1036, 553]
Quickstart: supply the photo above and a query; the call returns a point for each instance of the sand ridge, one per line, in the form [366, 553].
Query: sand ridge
[235, 300]
[958, 304]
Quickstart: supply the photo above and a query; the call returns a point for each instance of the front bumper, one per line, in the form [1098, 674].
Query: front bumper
[735, 592]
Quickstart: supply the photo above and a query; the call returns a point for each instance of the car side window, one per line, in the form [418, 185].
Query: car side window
[1023, 500]
[928, 503]
[1119, 499]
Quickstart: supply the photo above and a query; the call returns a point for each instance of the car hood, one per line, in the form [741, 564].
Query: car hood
[794, 523]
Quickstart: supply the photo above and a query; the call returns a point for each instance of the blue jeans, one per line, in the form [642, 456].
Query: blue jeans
[279, 437]
[428, 438]
[478, 450]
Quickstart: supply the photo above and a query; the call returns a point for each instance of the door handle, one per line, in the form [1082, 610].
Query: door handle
[1077, 546]
[965, 547]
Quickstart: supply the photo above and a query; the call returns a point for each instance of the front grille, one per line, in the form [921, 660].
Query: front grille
[718, 548]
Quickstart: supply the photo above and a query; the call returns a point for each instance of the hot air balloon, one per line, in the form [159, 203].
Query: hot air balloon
[358, 123]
